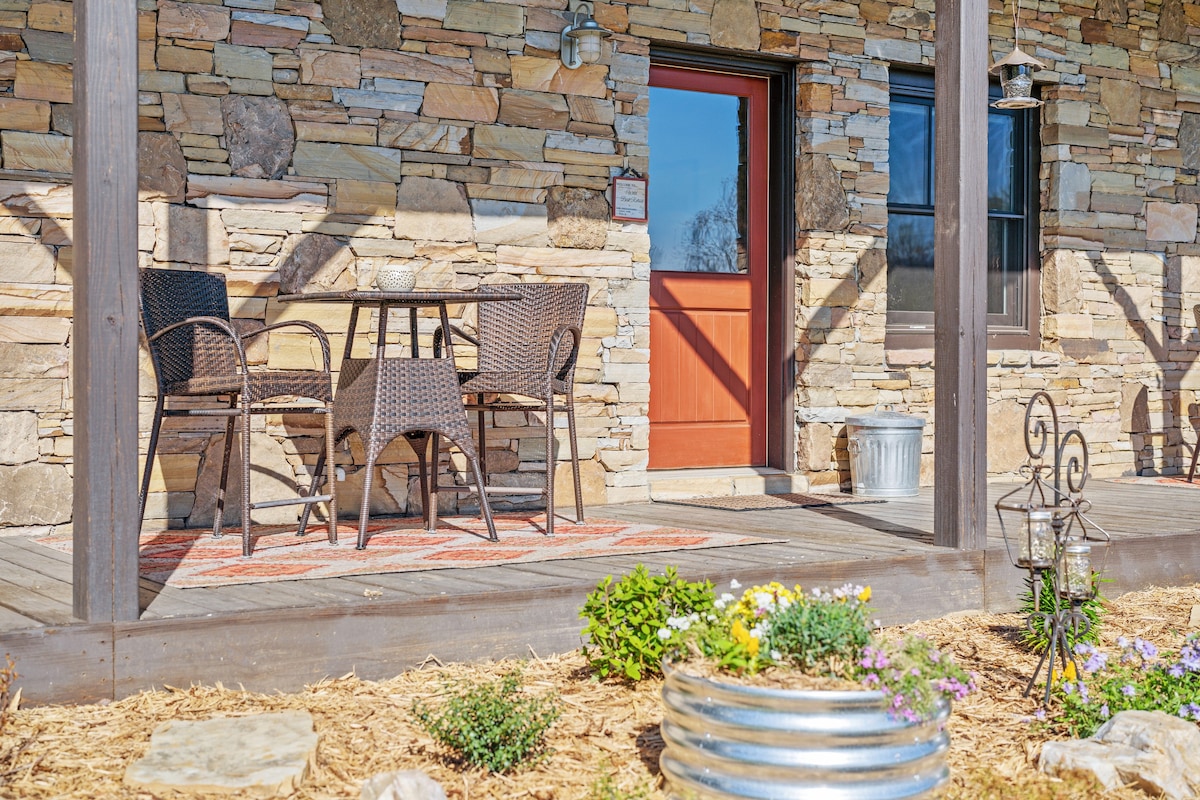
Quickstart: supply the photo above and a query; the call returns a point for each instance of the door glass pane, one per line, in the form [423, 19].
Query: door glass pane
[1002, 171]
[910, 262]
[698, 146]
[911, 129]
[1004, 264]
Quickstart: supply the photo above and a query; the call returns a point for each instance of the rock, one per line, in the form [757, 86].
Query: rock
[1006, 450]
[314, 262]
[18, 437]
[735, 24]
[1189, 140]
[577, 217]
[1152, 750]
[35, 494]
[162, 170]
[190, 235]
[433, 209]
[272, 477]
[823, 206]
[409, 784]
[262, 755]
[363, 23]
[259, 134]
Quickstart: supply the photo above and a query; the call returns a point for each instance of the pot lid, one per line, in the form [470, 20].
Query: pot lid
[886, 419]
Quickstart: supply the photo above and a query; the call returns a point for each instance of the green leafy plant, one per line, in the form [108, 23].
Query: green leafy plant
[493, 724]
[606, 788]
[819, 636]
[1139, 679]
[624, 619]
[1037, 638]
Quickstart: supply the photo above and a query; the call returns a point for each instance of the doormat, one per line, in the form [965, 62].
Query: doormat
[766, 502]
[1156, 480]
[192, 558]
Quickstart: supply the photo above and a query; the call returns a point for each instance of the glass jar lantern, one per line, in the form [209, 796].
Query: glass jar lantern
[1036, 545]
[1075, 572]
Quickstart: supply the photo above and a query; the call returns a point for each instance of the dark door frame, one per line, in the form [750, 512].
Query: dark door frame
[781, 231]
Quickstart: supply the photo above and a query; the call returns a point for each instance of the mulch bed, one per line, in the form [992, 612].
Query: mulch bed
[606, 728]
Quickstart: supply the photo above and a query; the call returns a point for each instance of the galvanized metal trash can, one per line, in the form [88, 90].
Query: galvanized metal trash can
[885, 453]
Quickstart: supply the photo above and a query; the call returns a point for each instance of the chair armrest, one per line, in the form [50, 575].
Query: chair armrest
[438, 335]
[212, 322]
[556, 339]
[311, 327]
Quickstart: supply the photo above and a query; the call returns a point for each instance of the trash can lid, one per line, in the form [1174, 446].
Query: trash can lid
[886, 419]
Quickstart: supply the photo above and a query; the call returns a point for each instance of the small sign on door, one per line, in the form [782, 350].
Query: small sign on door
[629, 199]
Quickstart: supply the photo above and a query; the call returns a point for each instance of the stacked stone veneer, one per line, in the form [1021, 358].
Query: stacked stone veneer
[291, 144]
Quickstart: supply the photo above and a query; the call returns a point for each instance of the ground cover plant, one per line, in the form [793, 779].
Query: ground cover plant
[605, 742]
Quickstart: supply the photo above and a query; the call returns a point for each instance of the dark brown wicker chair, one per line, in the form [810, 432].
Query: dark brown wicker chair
[529, 348]
[418, 397]
[197, 354]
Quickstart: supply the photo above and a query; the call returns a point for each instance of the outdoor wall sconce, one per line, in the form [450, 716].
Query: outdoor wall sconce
[1016, 73]
[581, 40]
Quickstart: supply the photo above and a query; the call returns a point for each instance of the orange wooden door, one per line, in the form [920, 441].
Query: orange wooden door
[708, 251]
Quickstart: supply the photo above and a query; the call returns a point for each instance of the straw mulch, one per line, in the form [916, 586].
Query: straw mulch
[609, 729]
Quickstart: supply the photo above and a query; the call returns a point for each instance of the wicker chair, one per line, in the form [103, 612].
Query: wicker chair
[529, 348]
[197, 353]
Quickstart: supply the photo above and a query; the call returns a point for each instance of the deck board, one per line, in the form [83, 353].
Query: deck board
[284, 634]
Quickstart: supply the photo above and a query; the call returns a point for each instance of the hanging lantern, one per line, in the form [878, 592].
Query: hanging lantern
[1035, 545]
[1075, 572]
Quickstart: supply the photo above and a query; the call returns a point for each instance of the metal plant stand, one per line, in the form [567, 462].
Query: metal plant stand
[1055, 537]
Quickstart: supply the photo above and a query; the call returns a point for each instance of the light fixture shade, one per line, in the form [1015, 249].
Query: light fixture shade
[581, 43]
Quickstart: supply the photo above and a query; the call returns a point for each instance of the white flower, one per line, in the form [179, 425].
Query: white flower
[679, 623]
[724, 600]
[664, 633]
[776, 655]
[733, 584]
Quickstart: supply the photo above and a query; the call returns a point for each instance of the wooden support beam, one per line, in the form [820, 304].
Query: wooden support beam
[960, 275]
[105, 335]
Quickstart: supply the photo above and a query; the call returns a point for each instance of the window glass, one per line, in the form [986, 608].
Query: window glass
[1002, 177]
[910, 262]
[1012, 212]
[911, 130]
[697, 197]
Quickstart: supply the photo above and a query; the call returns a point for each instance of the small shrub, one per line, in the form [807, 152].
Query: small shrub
[492, 724]
[606, 788]
[1137, 680]
[822, 637]
[624, 619]
[1037, 640]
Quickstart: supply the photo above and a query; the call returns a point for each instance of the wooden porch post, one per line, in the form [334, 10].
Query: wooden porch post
[960, 276]
[105, 335]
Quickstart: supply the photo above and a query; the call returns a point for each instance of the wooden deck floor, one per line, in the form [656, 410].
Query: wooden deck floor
[282, 635]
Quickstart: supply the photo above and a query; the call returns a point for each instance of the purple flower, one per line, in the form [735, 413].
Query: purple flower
[1040, 714]
[1104, 712]
[1129, 690]
[1145, 649]
[1176, 670]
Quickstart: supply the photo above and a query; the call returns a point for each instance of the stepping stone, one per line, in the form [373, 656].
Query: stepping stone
[262, 755]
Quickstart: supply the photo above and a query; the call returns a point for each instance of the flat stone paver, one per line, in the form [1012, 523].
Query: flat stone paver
[261, 755]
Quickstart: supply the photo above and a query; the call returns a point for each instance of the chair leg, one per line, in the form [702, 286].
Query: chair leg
[1195, 455]
[151, 449]
[364, 509]
[550, 464]
[574, 457]
[482, 435]
[246, 479]
[431, 499]
[484, 507]
[330, 477]
[223, 485]
[314, 487]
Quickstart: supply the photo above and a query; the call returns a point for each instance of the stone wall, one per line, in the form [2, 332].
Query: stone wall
[287, 143]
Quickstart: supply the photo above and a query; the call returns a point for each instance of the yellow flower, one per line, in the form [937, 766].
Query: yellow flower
[865, 595]
[743, 637]
[1068, 674]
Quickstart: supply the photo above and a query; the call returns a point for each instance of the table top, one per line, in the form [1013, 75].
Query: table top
[411, 297]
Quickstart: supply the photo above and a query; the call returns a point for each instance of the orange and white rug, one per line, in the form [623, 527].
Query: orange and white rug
[192, 558]
[1157, 480]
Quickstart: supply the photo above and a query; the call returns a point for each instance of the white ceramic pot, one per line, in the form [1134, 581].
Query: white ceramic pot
[395, 278]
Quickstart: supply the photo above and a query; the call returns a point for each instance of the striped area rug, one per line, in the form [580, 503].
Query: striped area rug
[192, 558]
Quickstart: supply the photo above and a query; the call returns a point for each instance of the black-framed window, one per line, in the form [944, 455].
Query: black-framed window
[1012, 215]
